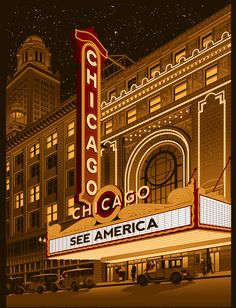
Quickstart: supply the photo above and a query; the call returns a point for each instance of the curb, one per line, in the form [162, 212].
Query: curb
[133, 283]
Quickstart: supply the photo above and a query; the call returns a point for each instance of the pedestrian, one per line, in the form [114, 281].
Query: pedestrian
[133, 272]
[117, 268]
[209, 265]
[203, 266]
[122, 272]
[148, 266]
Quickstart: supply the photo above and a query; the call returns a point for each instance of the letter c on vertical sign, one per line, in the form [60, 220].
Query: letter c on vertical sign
[89, 117]
[88, 56]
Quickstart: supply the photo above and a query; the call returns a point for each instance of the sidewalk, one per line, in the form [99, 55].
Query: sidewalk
[130, 282]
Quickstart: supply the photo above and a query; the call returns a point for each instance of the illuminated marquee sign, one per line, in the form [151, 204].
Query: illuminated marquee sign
[90, 54]
[129, 230]
[214, 213]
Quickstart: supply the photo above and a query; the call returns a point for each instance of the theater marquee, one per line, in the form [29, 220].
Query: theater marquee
[148, 226]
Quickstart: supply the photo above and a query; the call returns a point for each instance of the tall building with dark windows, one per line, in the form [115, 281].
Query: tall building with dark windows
[165, 120]
[33, 91]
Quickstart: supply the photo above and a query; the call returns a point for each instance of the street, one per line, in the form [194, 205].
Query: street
[213, 292]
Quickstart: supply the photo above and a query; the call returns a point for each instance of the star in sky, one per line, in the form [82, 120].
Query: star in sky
[133, 27]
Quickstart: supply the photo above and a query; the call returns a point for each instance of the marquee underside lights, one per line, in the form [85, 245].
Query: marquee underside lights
[214, 213]
[170, 221]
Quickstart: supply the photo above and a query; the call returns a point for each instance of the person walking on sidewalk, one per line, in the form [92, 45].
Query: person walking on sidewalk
[133, 272]
[117, 269]
[209, 266]
[203, 266]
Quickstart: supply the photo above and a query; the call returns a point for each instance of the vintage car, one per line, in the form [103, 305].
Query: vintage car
[166, 270]
[75, 279]
[40, 283]
[15, 285]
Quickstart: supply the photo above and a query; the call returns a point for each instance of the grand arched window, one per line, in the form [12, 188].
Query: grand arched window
[162, 171]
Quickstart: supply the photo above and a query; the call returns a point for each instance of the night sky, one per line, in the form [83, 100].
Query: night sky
[131, 27]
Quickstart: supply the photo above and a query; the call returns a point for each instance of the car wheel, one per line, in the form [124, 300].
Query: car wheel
[54, 287]
[142, 280]
[40, 289]
[74, 286]
[176, 278]
[89, 283]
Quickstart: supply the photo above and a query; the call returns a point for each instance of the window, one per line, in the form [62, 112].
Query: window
[179, 55]
[131, 115]
[162, 171]
[131, 82]
[70, 129]
[7, 184]
[19, 199]
[19, 224]
[71, 151]
[34, 150]
[8, 167]
[52, 161]
[175, 263]
[19, 178]
[34, 219]
[154, 69]
[155, 103]
[51, 213]
[34, 193]
[51, 140]
[108, 127]
[180, 90]
[111, 93]
[70, 178]
[206, 39]
[34, 170]
[19, 159]
[51, 186]
[211, 74]
[70, 206]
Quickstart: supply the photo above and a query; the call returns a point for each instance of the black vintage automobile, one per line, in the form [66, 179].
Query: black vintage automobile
[15, 285]
[41, 283]
[166, 270]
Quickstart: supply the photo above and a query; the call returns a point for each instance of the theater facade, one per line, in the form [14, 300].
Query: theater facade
[164, 182]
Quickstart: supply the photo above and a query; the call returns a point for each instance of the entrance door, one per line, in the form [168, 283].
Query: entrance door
[215, 259]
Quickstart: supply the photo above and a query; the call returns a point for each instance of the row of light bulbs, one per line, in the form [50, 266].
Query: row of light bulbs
[145, 130]
[164, 80]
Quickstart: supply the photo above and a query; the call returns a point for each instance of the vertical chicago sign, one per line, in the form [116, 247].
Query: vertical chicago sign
[90, 55]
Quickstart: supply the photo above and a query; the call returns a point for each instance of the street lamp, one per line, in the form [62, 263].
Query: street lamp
[42, 241]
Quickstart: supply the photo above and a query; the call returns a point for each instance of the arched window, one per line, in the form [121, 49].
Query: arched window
[162, 171]
[36, 56]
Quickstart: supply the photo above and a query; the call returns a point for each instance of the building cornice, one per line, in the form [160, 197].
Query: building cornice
[35, 68]
[170, 75]
[42, 123]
